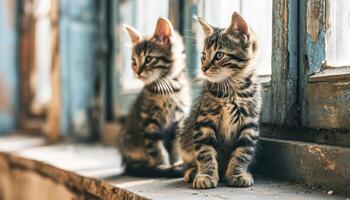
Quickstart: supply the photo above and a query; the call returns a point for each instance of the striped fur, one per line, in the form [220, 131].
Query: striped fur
[218, 139]
[149, 133]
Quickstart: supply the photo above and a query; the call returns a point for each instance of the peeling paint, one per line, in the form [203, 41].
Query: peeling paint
[315, 17]
[316, 51]
[315, 34]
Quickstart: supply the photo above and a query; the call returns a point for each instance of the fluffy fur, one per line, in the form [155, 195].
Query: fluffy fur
[147, 142]
[218, 139]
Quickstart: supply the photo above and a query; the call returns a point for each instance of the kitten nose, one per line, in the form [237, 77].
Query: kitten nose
[205, 68]
[139, 72]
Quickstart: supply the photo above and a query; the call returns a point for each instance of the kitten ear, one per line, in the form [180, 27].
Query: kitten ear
[164, 30]
[238, 23]
[207, 29]
[133, 34]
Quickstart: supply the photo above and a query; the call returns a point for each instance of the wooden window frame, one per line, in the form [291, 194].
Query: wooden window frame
[280, 87]
[122, 98]
[291, 108]
[325, 90]
[315, 94]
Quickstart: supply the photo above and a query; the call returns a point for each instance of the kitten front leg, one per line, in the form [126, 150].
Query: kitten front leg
[156, 151]
[237, 174]
[207, 175]
[207, 166]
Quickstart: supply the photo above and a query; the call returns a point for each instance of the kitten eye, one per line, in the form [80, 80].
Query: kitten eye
[219, 55]
[203, 57]
[148, 59]
[133, 61]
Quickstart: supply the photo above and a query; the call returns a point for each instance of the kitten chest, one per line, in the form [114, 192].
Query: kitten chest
[229, 122]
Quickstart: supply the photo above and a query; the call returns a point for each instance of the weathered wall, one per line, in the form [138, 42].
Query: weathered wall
[329, 104]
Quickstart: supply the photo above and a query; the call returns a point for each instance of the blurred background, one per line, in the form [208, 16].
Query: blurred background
[65, 65]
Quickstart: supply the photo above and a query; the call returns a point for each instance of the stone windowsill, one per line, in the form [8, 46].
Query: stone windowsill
[93, 170]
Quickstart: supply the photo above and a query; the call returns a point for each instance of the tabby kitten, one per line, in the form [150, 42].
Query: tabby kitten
[218, 139]
[149, 133]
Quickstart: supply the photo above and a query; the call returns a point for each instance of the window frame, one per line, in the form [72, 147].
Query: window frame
[319, 108]
[271, 113]
[123, 97]
[297, 60]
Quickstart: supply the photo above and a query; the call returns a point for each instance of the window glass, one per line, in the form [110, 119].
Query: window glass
[258, 15]
[142, 15]
[338, 37]
[40, 79]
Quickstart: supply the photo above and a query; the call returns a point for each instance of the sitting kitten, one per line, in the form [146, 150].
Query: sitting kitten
[147, 141]
[219, 137]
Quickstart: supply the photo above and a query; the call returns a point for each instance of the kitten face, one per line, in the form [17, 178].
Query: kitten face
[151, 60]
[151, 56]
[227, 52]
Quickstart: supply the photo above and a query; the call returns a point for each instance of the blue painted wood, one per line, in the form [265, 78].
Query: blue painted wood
[311, 48]
[316, 51]
[284, 77]
[8, 66]
[78, 65]
[191, 10]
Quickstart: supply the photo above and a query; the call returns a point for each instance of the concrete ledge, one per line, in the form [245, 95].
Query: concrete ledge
[324, 167]
[30, 169]
[21, 177]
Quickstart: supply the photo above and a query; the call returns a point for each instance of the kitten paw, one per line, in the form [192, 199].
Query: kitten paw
[190, 174]
[240, 180]
[203, 181]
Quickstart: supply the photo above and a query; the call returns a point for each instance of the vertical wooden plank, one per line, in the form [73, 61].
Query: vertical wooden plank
[82, 69]
[101, 103]
[78, 67]
[9, 80]
[110, 31]
[176, 14]
[64, 53]
[27, 55]
[284, 63]
[191, 10]
[52, 129]
[117, 59]
[312, 42]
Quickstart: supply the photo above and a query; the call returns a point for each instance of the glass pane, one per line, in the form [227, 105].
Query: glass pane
[143, 16]
[338, 37]
[258, 14]
[41, 78]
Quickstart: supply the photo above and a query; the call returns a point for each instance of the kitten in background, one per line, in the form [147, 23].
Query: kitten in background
[218, 140]
[148, 136]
